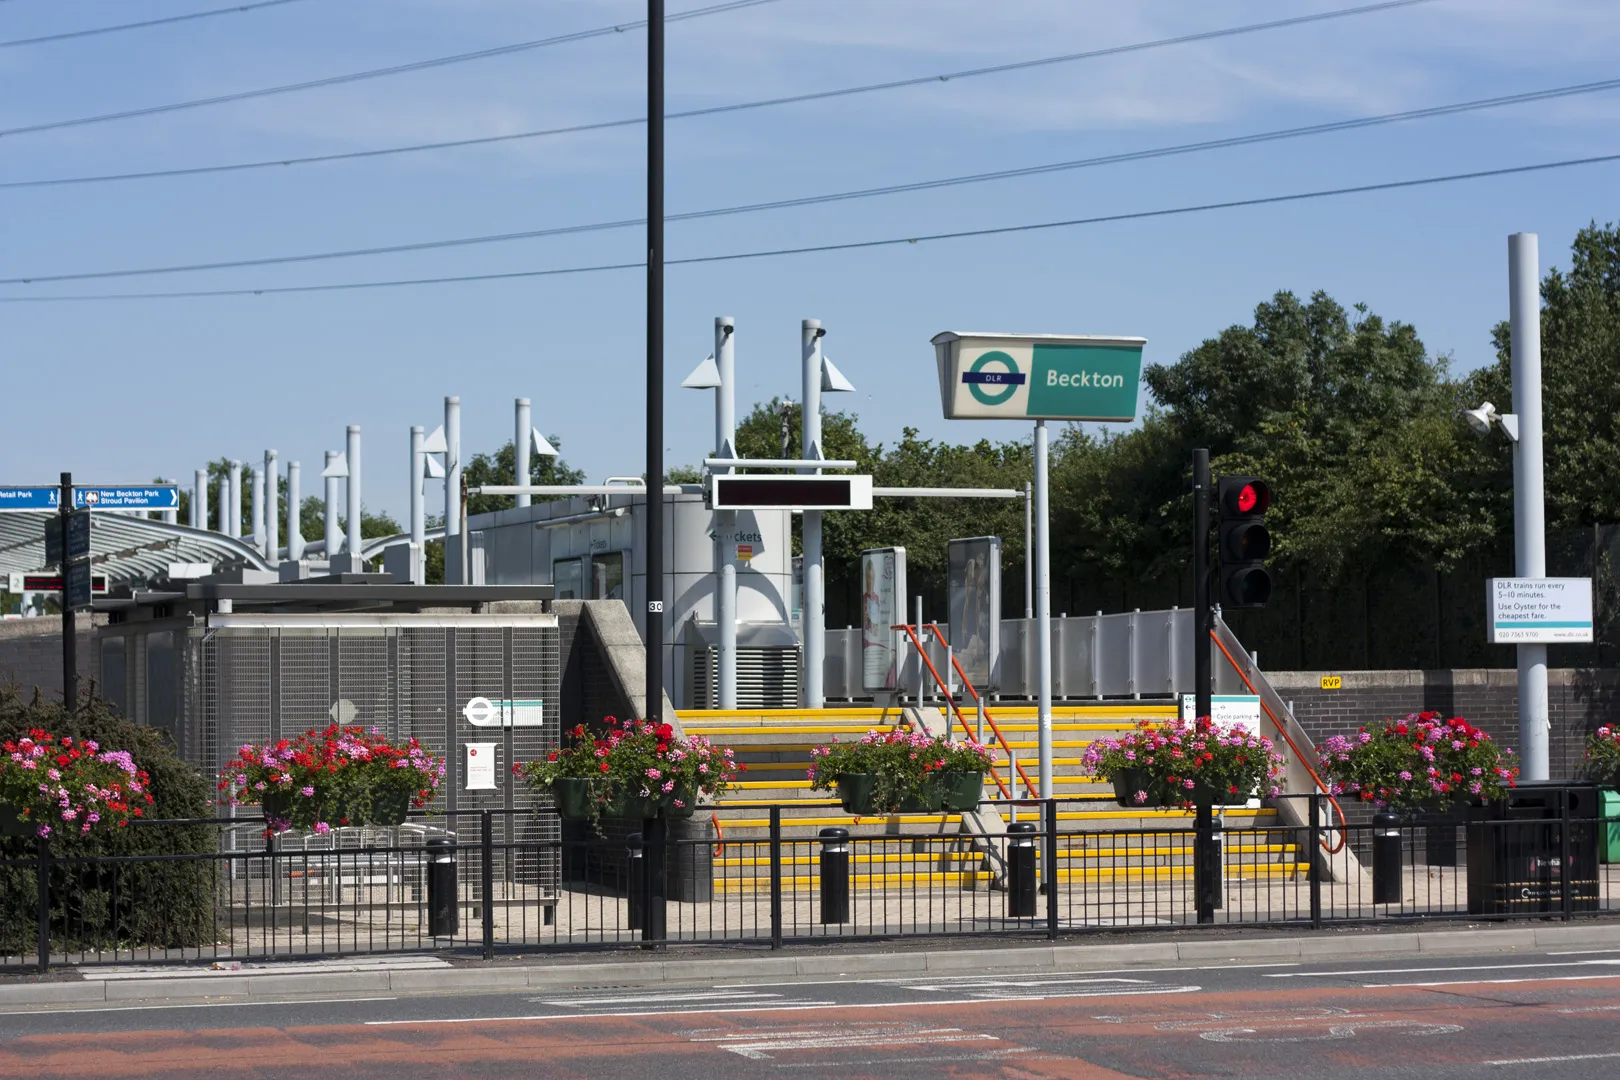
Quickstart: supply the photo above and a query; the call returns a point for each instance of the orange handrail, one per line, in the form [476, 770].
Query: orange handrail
[994, 728]
[1283, 731]
[922, 654]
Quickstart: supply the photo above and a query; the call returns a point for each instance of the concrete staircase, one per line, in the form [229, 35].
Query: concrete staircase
[944, 849]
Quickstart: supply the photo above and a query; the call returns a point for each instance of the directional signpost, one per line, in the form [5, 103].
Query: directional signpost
[15, 499]
[1039, 377]
[136, 497]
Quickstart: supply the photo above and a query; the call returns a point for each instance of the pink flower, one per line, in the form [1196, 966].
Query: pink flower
[322, 827]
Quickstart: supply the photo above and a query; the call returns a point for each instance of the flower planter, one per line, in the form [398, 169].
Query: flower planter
[12, 823]
[671, 811]
[390, 808]
[961, 791]
[926, 801]
[1128, 782]
[633, 807]
[572, 795]
[857, 792]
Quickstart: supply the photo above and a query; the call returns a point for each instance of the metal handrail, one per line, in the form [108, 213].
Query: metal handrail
[1283, 731]
[995, 729]
[951, 705]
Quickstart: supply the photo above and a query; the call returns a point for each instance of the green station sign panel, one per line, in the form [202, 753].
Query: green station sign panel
[1038, 376]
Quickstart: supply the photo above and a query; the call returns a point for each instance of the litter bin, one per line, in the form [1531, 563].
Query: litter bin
[1517, 862]
[1609, 844]
[691, 859]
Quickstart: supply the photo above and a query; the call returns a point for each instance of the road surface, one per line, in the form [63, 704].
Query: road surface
[1552, 1014]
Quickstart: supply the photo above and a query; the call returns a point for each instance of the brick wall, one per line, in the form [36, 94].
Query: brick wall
[1579, 700]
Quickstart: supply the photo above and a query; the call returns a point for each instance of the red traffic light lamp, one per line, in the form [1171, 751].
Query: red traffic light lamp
[1244, 541]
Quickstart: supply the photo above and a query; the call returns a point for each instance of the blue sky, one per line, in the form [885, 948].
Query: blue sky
[167, 384]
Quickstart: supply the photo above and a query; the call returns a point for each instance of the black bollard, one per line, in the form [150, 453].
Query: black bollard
[635, 879]
[444, 913]
[834, 875]
[1021, 870]
[1208, 862]
[1387, 885]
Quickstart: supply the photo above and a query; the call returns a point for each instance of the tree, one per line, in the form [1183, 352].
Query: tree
[501, 468]
[1580, 383]
[1351, 420]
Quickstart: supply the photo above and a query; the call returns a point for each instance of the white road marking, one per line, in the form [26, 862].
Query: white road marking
[1336, 1030]
[761, 1046]
[673, 997]
[923, 975]
[987, 1055]
[48, 1011]
[234, 968]
[1490, 982]
[1584, 952]
[1552, 1060]
[1592, 1009]
[1432, 970]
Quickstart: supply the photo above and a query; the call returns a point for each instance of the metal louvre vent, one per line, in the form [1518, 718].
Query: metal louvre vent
[767, 677]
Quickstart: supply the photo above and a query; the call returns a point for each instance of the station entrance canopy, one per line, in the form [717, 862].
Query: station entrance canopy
[126, 549]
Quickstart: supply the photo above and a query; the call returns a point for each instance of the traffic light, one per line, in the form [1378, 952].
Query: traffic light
[1244, 541]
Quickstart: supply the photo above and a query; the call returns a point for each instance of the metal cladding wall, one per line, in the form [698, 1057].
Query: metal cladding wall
[254, 678]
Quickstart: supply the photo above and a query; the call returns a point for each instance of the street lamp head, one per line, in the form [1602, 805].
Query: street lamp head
[706, 376]
[1480, 419]
[832, 380]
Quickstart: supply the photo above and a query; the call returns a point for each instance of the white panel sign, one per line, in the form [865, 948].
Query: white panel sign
[883, 598]
[480, 766]
[1539, 611]
[1226, 710]
[482, 712]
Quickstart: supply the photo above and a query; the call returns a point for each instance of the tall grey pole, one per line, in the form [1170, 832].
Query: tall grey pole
[815, 615]
[522, 444]
[1029, 550]
[1529, 513]
[256, 472]
[452, 490]
[725, 436]
[295, 509]
[418, 525]
[233, 527]
[355, 507]
[224, 504]
[334, 535]
[272, 512]
[1043, 611]
[199, 500]
[653, 532]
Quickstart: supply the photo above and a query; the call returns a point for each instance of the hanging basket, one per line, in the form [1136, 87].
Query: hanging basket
[1129, 781]
[390, 808]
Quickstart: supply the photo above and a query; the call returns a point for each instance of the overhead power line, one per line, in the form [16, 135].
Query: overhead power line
[377, 73]
[852, 245]
[234, 9]
[820, 95]
[844, 196]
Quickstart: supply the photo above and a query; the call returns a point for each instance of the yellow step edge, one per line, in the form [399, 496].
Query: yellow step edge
[1144, 710]
[796, 882]
[935, 819]
[815, 860]
[758, 785]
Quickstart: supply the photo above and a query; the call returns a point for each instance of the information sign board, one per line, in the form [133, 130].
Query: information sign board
[973, 576]
[1539, 611]
[30, 498]
[78, 592]
[135, 497]
[1227, 710]
[480, 766]
[883, 598]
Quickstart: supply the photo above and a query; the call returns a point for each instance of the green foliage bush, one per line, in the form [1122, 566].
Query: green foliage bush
[153, 904]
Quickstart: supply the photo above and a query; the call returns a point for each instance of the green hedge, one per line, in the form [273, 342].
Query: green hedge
[139, 905]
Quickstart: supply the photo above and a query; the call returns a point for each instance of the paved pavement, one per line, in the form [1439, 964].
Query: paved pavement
[1544, 1010]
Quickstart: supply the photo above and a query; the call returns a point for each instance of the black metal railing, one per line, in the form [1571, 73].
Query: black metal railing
[481, 882]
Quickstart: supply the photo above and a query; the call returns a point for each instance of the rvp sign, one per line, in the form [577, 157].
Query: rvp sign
[482, 712]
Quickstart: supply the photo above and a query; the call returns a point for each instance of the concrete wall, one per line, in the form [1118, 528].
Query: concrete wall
[31, 653]
[1579, 701]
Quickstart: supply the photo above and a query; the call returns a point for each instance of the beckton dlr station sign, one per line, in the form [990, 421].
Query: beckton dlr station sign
[1038, 376]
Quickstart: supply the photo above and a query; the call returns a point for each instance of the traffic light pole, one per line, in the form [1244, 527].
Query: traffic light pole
[1202, 621]
[653, 620]
[70, 632]
[1529, 513]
